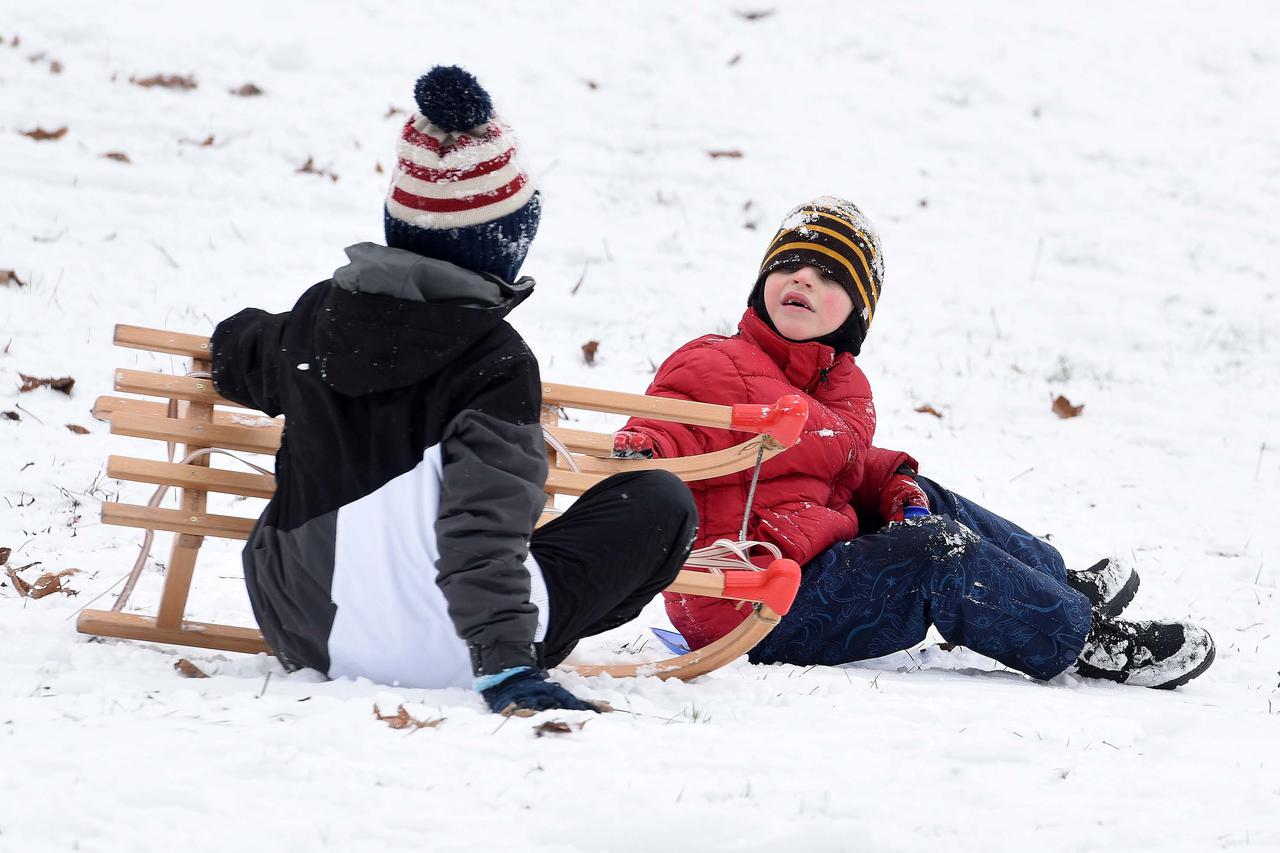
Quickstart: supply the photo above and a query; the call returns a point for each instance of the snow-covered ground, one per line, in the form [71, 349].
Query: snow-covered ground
[1080, 199]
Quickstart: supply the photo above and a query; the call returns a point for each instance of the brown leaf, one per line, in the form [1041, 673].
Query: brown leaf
[309, 168]
[118, 156]
[187, 669]
[248, 90]
[4, 555]
[201, 143]
[55, 67]
[10, 416]
[165, 81]
[30, 383]
[51, 582]
[401, 719]
[1062, 408]
[556, 727]
[18, 583]
[731, 153]
[926, 409]
[589, 350]
[757, 15]
[77, 429]
[377, 167]
[39, 134]
[8, 277]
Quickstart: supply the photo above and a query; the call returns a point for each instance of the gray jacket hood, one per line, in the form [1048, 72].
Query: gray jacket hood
[392, 318]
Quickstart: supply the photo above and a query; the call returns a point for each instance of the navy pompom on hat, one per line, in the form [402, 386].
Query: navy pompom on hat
[458, 192]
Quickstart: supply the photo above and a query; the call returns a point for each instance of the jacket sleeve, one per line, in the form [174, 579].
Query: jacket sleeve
[881, 465]
[694, 372]
[246, 359]
[494, 472]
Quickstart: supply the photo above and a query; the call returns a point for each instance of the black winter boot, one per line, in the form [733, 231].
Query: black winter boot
[1108, 585]
[1163, 655]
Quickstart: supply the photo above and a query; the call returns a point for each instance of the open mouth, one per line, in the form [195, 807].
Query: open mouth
[797, 300]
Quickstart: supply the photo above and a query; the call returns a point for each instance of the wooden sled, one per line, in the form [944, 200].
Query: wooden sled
[189, 413]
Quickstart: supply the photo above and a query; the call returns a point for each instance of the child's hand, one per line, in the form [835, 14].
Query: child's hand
[632, 445]
[900, 492]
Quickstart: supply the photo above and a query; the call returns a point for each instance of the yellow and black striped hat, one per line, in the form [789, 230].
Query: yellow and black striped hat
[834, 236]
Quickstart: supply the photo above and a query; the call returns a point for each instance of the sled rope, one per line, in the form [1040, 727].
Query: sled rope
[728, 554]
[751, 495]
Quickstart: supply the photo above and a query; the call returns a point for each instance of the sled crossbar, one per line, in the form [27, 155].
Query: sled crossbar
[186, 411]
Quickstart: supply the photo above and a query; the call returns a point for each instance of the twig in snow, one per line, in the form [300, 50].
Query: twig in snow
[168, 257]
[265, 682]
[18, 406]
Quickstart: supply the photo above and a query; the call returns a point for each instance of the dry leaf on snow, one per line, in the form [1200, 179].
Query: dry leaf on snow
[165, 81]
[926, 409]
[4, 555]
[199, 143]
[30, 383]
[10, 416]
[309, 168]
[401, 719]
[51, 582]
[730, 153]
[248, 90]
[77, 429]
[589, 350]
[1062, 408]
[187, 669]
[556, 727]
[8, 277]
[39, 134]
[18, 583]
[118, 156]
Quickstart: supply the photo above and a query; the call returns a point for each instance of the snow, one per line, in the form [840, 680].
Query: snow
[1080, 202]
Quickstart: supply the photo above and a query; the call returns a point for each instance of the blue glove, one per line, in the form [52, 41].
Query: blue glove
[525, 689]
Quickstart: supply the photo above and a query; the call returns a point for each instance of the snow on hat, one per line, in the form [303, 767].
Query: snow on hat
[837, 238]
[457, 192]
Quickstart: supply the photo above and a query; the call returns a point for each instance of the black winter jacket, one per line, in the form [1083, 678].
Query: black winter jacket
[409, 477]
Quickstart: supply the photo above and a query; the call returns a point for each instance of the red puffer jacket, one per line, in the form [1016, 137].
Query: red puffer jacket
[805, 499]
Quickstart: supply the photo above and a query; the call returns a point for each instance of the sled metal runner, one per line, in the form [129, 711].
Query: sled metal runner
[186, 411]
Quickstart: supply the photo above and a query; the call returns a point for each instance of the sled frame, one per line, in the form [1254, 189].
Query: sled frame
[204, 420]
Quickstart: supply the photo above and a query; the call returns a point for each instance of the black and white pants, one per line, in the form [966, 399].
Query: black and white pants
[620, 544]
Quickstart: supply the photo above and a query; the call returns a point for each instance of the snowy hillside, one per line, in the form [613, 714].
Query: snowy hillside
[1079, 201]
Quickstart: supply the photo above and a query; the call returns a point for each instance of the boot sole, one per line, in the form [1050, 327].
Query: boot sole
[1183, 679]
[1121, 600]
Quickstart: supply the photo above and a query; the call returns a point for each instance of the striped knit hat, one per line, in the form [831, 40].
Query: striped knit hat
[834, 236]
[457, 192]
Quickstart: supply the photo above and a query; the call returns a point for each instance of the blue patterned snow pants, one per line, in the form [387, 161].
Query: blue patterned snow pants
[983, 581]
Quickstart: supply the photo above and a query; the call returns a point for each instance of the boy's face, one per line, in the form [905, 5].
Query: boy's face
[805, 304]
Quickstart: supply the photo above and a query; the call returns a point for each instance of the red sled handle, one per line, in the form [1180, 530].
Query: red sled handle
[775, 587]
[782, 421]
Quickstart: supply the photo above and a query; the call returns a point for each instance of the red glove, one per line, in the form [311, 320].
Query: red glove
[901, 491]
[632, 445]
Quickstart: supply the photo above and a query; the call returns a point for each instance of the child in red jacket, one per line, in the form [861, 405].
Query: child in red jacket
[885, 552]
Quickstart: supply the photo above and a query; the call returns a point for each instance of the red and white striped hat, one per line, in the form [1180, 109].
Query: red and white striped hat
[456, 169]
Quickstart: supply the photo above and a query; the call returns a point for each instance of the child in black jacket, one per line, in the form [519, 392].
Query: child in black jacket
[399, 545]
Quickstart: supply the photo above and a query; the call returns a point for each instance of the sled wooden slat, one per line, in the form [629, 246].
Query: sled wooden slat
[107, 405]
[167, 385]
[249, 485]
[204, 420]
[205, 635]
[162, 340]
[176, 520]
[230, 437]
[618, 402]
